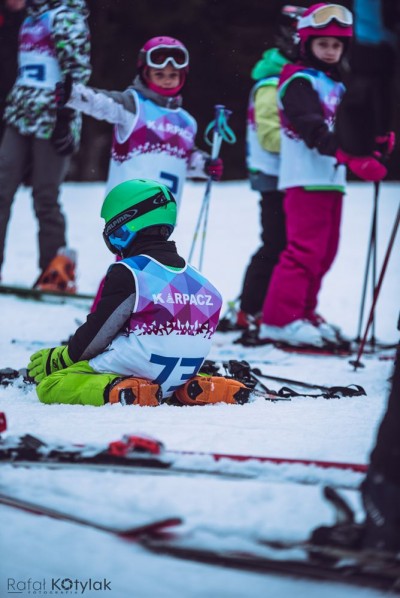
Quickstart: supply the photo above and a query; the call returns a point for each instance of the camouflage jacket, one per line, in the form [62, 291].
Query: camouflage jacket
[54, 40]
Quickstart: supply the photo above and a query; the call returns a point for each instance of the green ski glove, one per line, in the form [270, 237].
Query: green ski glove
[45, 362]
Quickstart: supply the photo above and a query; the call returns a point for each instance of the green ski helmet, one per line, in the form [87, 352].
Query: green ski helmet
[133, 206]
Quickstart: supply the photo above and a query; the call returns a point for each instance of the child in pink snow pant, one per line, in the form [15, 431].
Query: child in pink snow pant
[312, 229]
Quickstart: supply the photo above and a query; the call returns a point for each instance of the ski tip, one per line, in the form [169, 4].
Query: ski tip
[151, 528]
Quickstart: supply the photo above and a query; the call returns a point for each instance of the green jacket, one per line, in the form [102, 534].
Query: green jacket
[265, 101]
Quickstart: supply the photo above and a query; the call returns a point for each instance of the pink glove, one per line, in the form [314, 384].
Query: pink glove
[366, 168]
[386, 143]
[214, 168]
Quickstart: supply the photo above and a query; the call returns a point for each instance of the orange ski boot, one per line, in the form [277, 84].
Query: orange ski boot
[59, 275]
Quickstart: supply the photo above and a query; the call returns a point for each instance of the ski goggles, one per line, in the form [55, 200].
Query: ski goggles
[324, 15]
[293, 12]
[120, 239]
[159, 56]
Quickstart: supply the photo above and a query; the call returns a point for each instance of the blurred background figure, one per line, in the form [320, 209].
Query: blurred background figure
[309, 94]
[12, 13]
[53, 42]
[365, 119]
[262, 157]
[153, 136]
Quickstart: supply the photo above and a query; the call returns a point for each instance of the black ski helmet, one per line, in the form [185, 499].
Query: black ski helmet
[287, 39]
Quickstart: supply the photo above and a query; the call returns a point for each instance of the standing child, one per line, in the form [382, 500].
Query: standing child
[154, 323]
[154, 137]
[313, 177]
[263, 151]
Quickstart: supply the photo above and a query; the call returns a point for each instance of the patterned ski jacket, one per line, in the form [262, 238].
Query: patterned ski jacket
[154, 137]
[53, 41]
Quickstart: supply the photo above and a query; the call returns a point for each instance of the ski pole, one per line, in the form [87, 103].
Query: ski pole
[216, 145]
[371, 245]
[374, 256]
[357, 363]
[257, 372]
[221, 132]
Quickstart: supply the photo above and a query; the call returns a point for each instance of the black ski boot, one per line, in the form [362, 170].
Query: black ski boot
[381, 498]
[346, 533]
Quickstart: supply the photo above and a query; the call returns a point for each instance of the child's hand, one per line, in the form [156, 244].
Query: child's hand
[386, 143]
[62, 138]
[366, 168]
[214, 168]
[46, 361]
[63, 91]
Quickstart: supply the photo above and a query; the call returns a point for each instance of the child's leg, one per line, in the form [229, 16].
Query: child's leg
[333, 204]
[77, 385]
[300, 265]
[262, 263]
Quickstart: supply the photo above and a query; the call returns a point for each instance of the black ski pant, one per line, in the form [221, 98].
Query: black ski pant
[273, 236]
[385, 457]
[48, 170]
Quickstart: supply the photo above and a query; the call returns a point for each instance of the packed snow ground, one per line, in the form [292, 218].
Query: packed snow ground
[237, 512]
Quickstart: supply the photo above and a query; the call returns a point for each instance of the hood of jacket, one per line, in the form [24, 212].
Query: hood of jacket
[37, 7]
[270, 64]
[167, 102]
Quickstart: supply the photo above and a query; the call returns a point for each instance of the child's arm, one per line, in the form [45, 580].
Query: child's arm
[267, 119]
[113, 310]
[93, 337]
[201, 166]
[116, 107]
[302, 108]
[304, 112]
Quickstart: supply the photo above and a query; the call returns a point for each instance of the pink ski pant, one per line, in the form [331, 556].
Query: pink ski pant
[312, 229]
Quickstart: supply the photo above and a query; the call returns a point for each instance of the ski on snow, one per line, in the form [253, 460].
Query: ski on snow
[332, 553]
[322, 563]
[305, 559]
[147, 526]
[135, 454]
[344, 348]
[296, 559]
[47, 296]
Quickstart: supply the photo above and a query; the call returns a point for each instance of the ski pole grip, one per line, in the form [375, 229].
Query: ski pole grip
[220, 129]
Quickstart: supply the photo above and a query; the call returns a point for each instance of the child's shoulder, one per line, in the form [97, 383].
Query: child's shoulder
[294, 70]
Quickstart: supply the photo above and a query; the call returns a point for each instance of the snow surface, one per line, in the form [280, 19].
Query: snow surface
[226, 512]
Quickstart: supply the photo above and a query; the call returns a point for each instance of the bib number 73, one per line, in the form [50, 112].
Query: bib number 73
[189, 366]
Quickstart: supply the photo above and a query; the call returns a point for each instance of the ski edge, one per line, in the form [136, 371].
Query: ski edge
[346, 574]
[28, 293]
[127, 532]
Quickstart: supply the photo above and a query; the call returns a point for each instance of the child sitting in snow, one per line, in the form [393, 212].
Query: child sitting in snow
[312, 173]
[154, 323]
